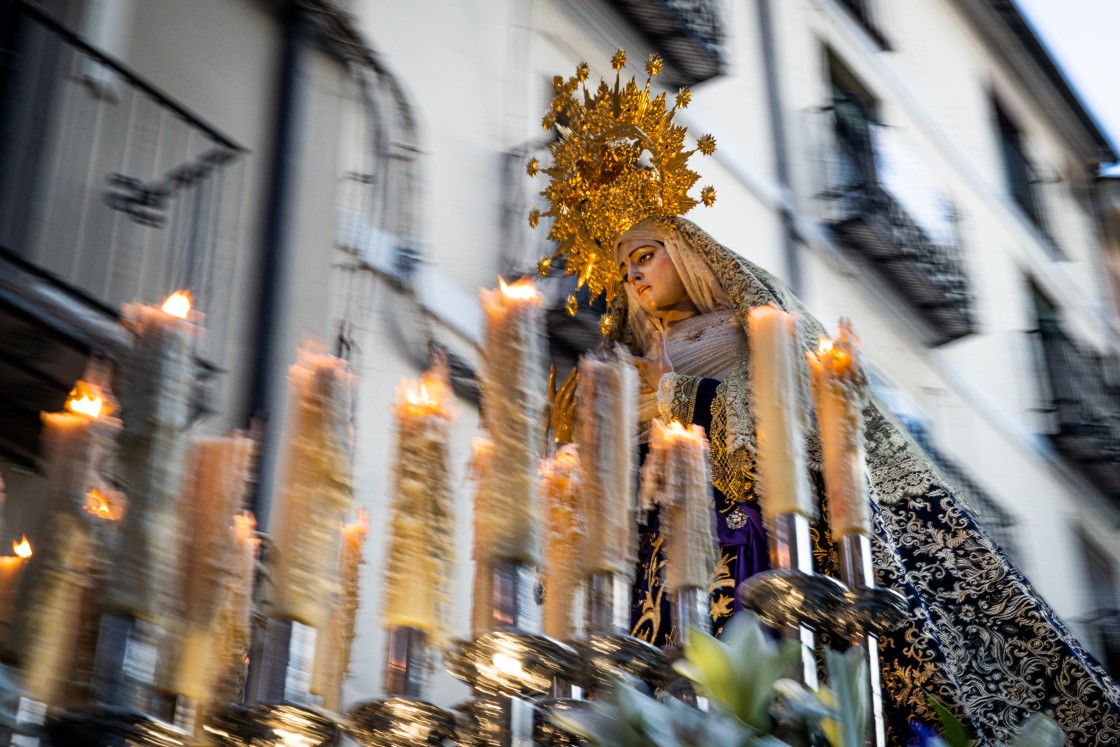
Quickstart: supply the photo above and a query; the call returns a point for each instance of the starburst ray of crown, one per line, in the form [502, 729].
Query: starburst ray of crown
[602, 181]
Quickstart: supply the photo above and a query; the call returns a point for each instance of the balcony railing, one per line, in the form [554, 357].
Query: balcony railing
[105, 181]
[110, 192]
[687, 33]
[883, 205]
[1086, 410]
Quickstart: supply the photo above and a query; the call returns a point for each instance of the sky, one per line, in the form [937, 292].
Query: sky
[1081, 37]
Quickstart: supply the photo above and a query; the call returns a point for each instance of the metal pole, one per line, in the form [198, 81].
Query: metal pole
[858, 573]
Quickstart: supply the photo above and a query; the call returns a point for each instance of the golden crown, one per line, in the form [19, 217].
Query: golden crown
[600, 182]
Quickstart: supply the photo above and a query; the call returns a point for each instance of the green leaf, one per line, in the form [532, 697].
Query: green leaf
[952, 730]
[1038, 731]
[847, 679]
[739, 672]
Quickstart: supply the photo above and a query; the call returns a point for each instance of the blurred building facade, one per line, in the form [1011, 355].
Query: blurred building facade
[353, 171]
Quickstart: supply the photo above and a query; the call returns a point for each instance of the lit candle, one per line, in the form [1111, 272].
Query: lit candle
[214, 490]
[316, 491]
[332, 657]
[235, 621]
[839, 387]
[607, 425]
[76, 443]
[565, 539]
[780, 409]
[513, 400]
[11, 573]
[676, 477]
[418, 562]
[53, 615]
[158, 374]
[482, 609]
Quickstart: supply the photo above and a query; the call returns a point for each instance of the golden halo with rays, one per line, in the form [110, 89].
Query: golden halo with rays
[619, 159]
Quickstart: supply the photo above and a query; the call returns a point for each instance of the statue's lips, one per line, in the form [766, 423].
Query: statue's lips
[642, 289]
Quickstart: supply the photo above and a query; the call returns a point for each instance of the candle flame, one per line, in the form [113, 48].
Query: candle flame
[97, 505]
[22, 548]
[245, 526]
[675, 431]
[178, 304]
[523, 289]
[85, 399]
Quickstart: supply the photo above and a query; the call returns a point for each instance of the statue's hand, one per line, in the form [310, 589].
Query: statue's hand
[651, 369]
[562, 406]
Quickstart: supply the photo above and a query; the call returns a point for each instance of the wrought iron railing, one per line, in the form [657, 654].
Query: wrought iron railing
[106, 182]
[865, 12]
[897, 220]
[687, 33]
[1086, 409]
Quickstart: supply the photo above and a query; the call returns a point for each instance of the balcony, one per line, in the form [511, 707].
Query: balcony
[883, 207]
[110, 192]
[1086, 408]
[687, 33]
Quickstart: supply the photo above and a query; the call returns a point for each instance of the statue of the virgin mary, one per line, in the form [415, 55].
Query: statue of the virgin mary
[977, 638]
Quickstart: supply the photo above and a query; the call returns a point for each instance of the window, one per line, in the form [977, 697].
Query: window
[1022, 177]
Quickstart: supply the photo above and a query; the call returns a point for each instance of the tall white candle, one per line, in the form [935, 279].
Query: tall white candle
[77, 441]
[214, 491]
[77, 444]
[676, 477]
[419, 558]
[155, 407]
[54, 611]
[839, 387]
[11, 575]
[607, 434]
[482, 609]
[332, 655]
[565, 557]
[316, 491]
[235, 621]
[513, 400]
[780, 410]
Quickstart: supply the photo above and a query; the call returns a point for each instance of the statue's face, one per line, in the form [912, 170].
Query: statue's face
[653, 280]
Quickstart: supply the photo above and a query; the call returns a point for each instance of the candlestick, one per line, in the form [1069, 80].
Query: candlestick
[607, 402]
[418, 560]
[839, 388]
[565, 537]
[513, 401]
[316, 491]
[779, 401]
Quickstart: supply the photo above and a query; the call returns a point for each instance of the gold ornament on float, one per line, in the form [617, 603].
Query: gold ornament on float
[619, 159]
